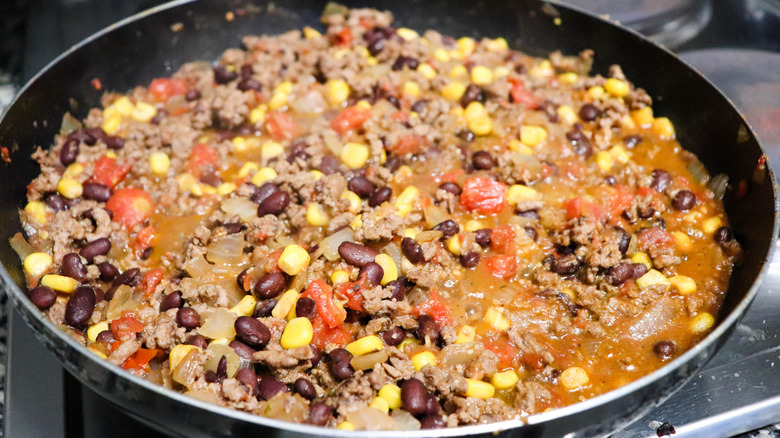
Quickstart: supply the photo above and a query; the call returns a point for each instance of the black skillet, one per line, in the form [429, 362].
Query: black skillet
[143, 47]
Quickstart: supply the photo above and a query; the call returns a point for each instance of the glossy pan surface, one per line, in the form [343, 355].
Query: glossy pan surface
[143, 47]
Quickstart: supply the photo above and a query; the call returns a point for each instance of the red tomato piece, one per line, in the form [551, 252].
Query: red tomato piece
[506, 352]
[501, 266]
[331, 312]
[408, 144]
[140, 359]
[108, 172]
[620, 201]
[281, 126]
[130, 206]
[520, 94]
[145, 238]
[344, 37]
[201, 158]
[578, 207]
[324, 335]
[483, 195]
[502, 239]
[435, 308]
[353, 293]
[350, 119]
[654, 237]
[150, 281]
[164, 88]
[126, 325]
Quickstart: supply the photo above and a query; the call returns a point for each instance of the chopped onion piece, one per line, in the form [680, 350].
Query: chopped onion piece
[310, 103]
[368, 418]
[219, 350]
[394, 251]
[287, 407]
[241, 207]
[228, 250]
[698, 171]
[219, 324]
[405, 420]
[367, 361]
[427, 236]
[332, 142]
[459, 354]
[718, 185]
[203, 395]
[184, 373]
[20, 245]
[121, 302]
[69, 124]
[329, 246]
[434, 215]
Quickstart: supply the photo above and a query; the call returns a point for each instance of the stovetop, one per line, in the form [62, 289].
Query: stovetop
[735, 43]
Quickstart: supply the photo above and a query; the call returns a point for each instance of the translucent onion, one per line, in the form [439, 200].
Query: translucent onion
[286, 406]
[69, 124]
[459, 354]
[184, 373]
[394, 251]
[405, 420]
[121, 302]
[718, 185]
[310, 103]
[329, 246]
[698, 171]
[368, 418]
[219, 350]
[20, 245]
[197, 267]
[332, 142]
[427, 236]
[203, 395]
[434, 215]
[367, 361]
[241, 207]
[228, 250]
[219, 324]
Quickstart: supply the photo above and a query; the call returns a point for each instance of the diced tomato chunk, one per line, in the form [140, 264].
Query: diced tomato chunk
[578, 207]
[502, 239]
[350, 119]
[108, 172]
[140, 359]
[145, 238]
[201, 158]
[520, 94]
[620, 201]
[331, 312]
[650, 237]
[164, 88]
[506, 352]
[435, 308]
[281, 126]
[483, 195]
[130, 206]
[324, 335]
[125, 325]
[151, 279]
[408, 144]
[501, 266]
[353, 292]
[344, 37]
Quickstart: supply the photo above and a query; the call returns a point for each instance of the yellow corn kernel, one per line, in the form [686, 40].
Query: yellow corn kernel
[37, 263]
[466, 334]
[38, 211]
[353, 199]
[97, 352]
[711, 225]
[70, 188]
[357, 222]
[143, 112]
[500, 72]
[481, 125]
[316, 174]
[454, 245]
[616, 87]
[345, 425]
[160, 163]
[410, 233]
[481, 75]
[123, 106]
[517, 146]
[466, 45]
[441, 55]
[294, 259]
[574, 378]
[257, 115]
[459, 72]
[354, 155]
[365, 345]
[310, 33]
[178, 353]
[95, 330]
[411, 89]
[408, 196]
[59, 282]
[496, 45]
[504, 380]
[495, 317]
[643, 116]
[339, 276]
[619, 153]
[604, 161]
[682, 240]
[692, 216]
[683, 284]
[285, 304]
[278, 100]
[642, 258]
[364, 104]
[453, 91]
[567, 115]
[271, 149]
[245, 307]
[475, 110]
[246, 169]
[474, 225]
[663, 127]
[701, 322]
[186, 182]
[372, 61]
[316, 215]
[652, 278]
[338, 91]
[381, 404]
[222, 341]
[263, 176]
[240, 144]
[284, 87]
[596, 91]
[388, 266]
[73, 170]
[391, 393]
[203, 189]
[408, 341]
[111, 154]
[627, 122]
[422, 359]
[297, 333]
[568, 78]
[479, 389]
[532, 135]
[518, 193]
[407, 34]
[426, 71]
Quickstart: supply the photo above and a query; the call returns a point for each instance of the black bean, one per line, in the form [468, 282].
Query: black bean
[253, 332]
[263, 192]
[69, 152]
[93, 135]
[393, 336]
[394, 101]
[610, 180]
[222, 75]
[43, 297]
[665, 429]
[247, 84]
[269, 285]
[550, 109]
[632, 140]
[198, 341]
[482, 160]
[451, 187]
[171, 301]
[380, 196]
[234, 227]
[638, 270]
[432, 406]
[566, 265]
[192, 94]
[470, 259]
[372, 272]
[428, 329]
[329, 164]
[419, 106]
[210, 177]
[661, 180]
[161, 114]
[305, 388]
[55, 201]
[108, 272]
[482, 237]
[268, 387]
[264, 308]
[467, 135]
[589, 112]
[665, 349]
[129, 277]
[413, 397]
[405, 61]
[298, 150]
[580, 142]
[645, 212]
[473, 93]
[97, 247]
[73, 267]
[114, 142]
[82, 136]
[305, 307]
[317, 355]
[448, 228]
[221, 373]
[319, 414]
[393, 163]
[210, 376]
[80, 307]
[620, 273]
[97, 192]
[684, 200]
[242, 349]
[433, 422]
[723, 235]
[274, 204]
[412, 250]
[188, 318]
[530, 214]
[398, 288]
[361, 186]
[356, 254]
[531, 232]
[105, 336]
[623, 240]
[340, 364]
[248, 377]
